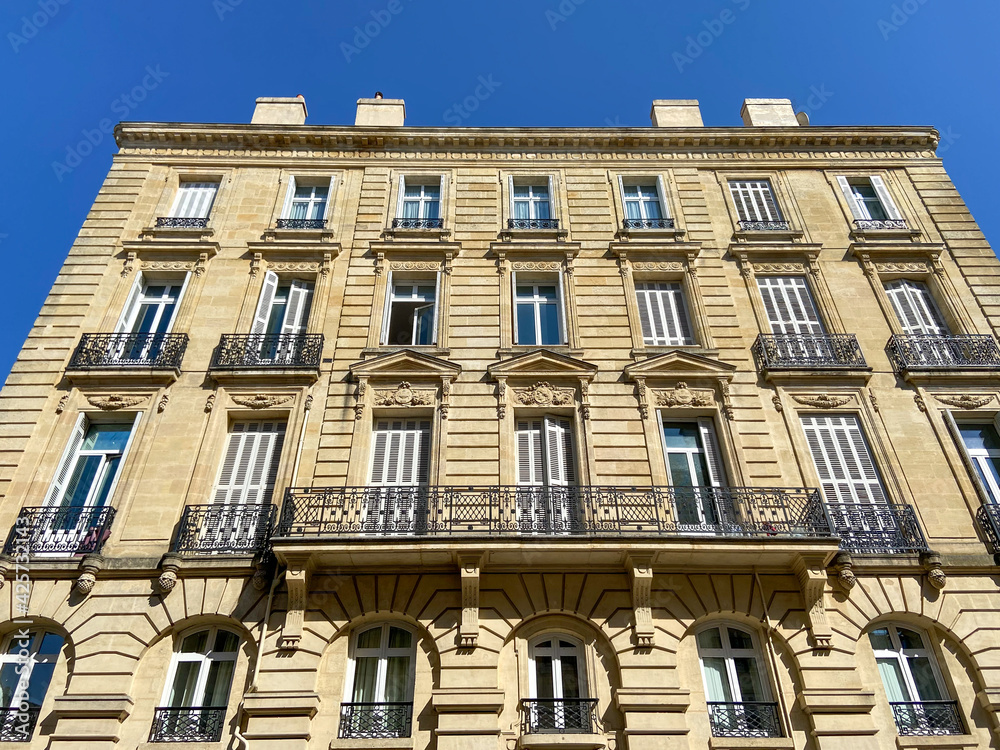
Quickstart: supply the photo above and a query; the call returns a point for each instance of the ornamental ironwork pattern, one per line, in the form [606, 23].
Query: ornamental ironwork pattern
[511, 511]
[877, 528]
[989, 521]
[17, 725]
[532, 223]
[258, 351]
[744, 719]
[764, 226]
[60, 531]
[155, 351]
[376, 720]
[868, 225]
[927, 718]
[549, 715]
[805, 351]
[648, 224]
[236, 529]
[418, 223]
[197, 724]
[301, 223]
[180, 222]
[931, 352]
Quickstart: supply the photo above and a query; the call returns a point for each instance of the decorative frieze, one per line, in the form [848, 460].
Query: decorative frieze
[543, 394]
[260, 400]
[404, 395]
[903, 267]
[964, 401]
[115, 401]
[664, 266]
[681, 395]
[823, 400]
[535, 265]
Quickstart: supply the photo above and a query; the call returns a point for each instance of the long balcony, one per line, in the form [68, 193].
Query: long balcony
[59, 531]
[184, 724]
[989, 521]
[927, 352]
[376, 720]
[877, 528]
[122, 351]
[630, 224]
[927, 718]
[744, 719]
[260, 351]
[800, 351]
[558, 716]
[17, 725]
[238, 529]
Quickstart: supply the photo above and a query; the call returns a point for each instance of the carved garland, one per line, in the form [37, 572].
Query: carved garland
[964, 401]
[824, 401]
[404, 395]
[115, 401]
[681, 395]
[543, 394]
[260, 400]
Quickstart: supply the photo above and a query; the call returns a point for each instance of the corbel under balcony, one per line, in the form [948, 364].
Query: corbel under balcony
[470, 566]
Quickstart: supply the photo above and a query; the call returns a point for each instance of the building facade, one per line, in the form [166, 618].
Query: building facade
[480, 439]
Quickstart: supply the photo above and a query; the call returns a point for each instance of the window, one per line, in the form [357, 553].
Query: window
[558, 684]
[546, 462]
[694, 467]
[400, 471]
[754, 201]
[663, 314]
[26, 669]
[250, 465]
[379, 698]
[538, 317]
[642, 201]
[148, 316]
[840, 453]
[411, 313]
[281, 316]
[982, 446]
[308, 202]
[789, 305]
[915, 309]
[869, 199]
[420, 198]
[194, 200]
[531, 201]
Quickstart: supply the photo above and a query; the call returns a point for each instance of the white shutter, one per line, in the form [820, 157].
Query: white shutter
[286, 210]
[513, 303]
[529, 453]
[884, 198]
[250, 465]
[852, 200]
[297, 309]
[127, 319]
[561, 308]
[789, 305]
[329, 198]
[177, 304]
[915, 308]
[401, 453]
[67, 462]
[401, 196]
[267, 293]
[754, 200]
[194, 200]
[662, 194]
[437, 306]
[713, 456]
[387, 309]
[559, 452]
[843, 462]
[662, 314]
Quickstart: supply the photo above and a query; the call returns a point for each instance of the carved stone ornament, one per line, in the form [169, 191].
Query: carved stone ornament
[167, 581]
[683, 396]
[779, 267]
[164, 400]
[641, 572]
[812, 582]
[260, 401]
[675, 266]
[115, 401]
[843, 568]
[965, 401]
[85, 583]
[536, 265]
[823, 401]
[899, 267]
[404, 395]
[543, 394]
[210, 403]
[61, 406]
[260, 578]
[414, 265]
[468, 631]
[936, 577]
[778, 406]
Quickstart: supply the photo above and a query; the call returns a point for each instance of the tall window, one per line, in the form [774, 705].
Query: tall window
[789, 305]
[26, 668]
[399, 476]
[148, 315]
[840, 453]
[869, 198]
[663, 313]
[281, 317]
[537, 312]
[194, 200]
[250, 465]
[380, 675]
[738, 694]
[309, 202]
[982, 446]
[694, 468]
[915, 308]
[421, 198]
[531, 201]
[546, 469]
[558, 684]
[642, 201]
[411, 313]
[754, 200]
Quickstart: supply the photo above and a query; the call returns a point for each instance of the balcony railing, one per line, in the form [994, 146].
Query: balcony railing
[237, 529]
[877, 528]
[807, 351]
[536, 511]
[927, 718]
[376, 720]
[648, 224]
[989, 521]
[197, 724]
[557, 716]
[301, 223]
[928, 352]
[17, 725]
[744, 719]
[764, 226]
[122, 351]
[532, 223]
[417, 223]
[180, 222]
[260, 351]
[872, 225]
[65, 531]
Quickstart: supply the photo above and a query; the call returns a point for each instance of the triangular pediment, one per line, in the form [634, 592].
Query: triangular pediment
[406, 363]
[679, 365]
[543, 363]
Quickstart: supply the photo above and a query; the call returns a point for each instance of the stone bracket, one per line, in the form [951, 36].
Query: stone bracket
[470, 566]
[812, 576]
[89, 567]
[843, 568]
[931, 561]
[641, 572]
[297, 583]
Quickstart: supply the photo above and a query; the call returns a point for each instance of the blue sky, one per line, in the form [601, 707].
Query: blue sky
[68, 65]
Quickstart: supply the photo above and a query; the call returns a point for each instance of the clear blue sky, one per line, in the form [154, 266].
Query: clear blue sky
[568, 63]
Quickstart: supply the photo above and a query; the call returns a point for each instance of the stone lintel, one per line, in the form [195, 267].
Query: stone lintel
[281, 704]
[90, 706]
[451, 700]
[836, 702]
[659, 700]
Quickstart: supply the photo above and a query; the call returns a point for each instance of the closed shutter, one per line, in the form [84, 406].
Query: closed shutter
[286, 209]
[857, 210]
[267, 293]
[127, 319]
[529, 453]
[297, 311]
[884, 198]
[561, 469]
[401, 453]
[713, 456]
[789, 305]
[754, 200]
[194, 200]
[250, 465]
[663, 314]
[67, 462]
[915, 308]
[842, 459]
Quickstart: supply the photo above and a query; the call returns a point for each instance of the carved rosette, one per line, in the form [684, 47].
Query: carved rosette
[260, 400]
[115, 401]
[681, 396]
[543, 394]
[404, 395]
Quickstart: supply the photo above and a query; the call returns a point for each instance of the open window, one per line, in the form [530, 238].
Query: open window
[281, 318]
[147, 319]
[411, 311]
[26, 667]
[695, 472]
[870, 202]
[378, 700]
[559, 696]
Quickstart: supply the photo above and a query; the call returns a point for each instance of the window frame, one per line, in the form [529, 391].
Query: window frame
[204, 660]
[179, 197]
[412, 278]
[901, 656]
[656, 181]
[680, 306]
[516, 181]
[383, 655]
[785, 291]
[886, 190]
[728, 654]
[989, 490]
[136, 296]
[423, 180]
[750, 182]
[580, 650]
[27, 666]
[536, 281]
[881, 478]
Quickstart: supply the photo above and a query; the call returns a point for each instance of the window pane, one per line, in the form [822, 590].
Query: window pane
[81, 481]
[709, 639]
[550, 323]
[543, 676]
[923, 676]
[909, 640]
[425, 325]
[430, 210]
[748, 679]
[526, 324]
[182, 692]
[681, 435]
[226, 642]
[892, 679]
[107, 437]
[980, 437]
[51, 645]
[570, 677]
[399, 638]
[739, 639]
[716, 680]
[880, 639]
[370, 638]
[520, 191]
[220, 677]
[196, 643]
[8, 682]
[365, 670]
[101, 495]
[396, 678]
[680, 470]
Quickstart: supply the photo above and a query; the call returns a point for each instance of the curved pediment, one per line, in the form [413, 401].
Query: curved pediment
[406, 363]
[680, 365]
[542, 363]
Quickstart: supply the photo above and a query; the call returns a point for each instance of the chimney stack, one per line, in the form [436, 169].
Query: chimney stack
[280, 110]
[379, 112]
[768, 113]
[676, 113]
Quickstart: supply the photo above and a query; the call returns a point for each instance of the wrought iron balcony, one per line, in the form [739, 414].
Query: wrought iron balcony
[808, 351]
[121, 351]
[557, 716]
[989, 521]
[376, 720]
[237, 529]
[764, 226]
[260, 351]
[401, 223]
[929, 352]
[196, 724]
[56, 531]
[877, 528]
[648, 224]
[874, 225]
[17, 725]
[532, 223]
[536, 511]
[301, 223]
[180, 222]
[744, 719]
[927, 718]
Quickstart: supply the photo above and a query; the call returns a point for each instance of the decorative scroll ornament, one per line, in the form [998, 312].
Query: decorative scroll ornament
[675, 266]
[543, 394]
[917, 267]
[778, 406]
[404, 395]
[61, 406]
[293, 267]
[260, 401]
[114, 401]
[536, 265]
[779, 267]
[164, 400]
[843, 566]
[871, 395]
[965, 401]
[414, 265]
[823, 401]
[683, 396]
[919, 402]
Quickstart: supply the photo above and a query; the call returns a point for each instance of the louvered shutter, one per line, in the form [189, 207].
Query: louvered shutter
[401, 453]
[250, 464]
[67, 462]
[194, 200]
[852, 200]
[559, 452]
[789, 305]
[286, 209]
[884, 198]
[529, 453]
[915, 308]
[297, 310]
[754, 201]
[662, 314]
[713, 456]
[264, 303]
[843, 462]
[127, 319]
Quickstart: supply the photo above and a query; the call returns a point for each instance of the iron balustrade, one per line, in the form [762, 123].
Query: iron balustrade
[60, 530]
[188, 724]
[932, 352]
[155, 351]
[376, 720]
[401, 223]
[989, 521]
[259, 351]
[927, 718]
[532, 223]
[751, 719]
[236, 529]
[805, 351]
[877, 528]
[17, 725]
[301, 223]
[648, 224]
[558, 715]
[764, 226]
[513, 511]
[180, 222]
[869, 225]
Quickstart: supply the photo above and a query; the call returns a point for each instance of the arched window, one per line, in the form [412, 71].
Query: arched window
[198, 684]
[26, 667]
[738, 695]
[380, 674]
[913, 682]
[557, 681]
